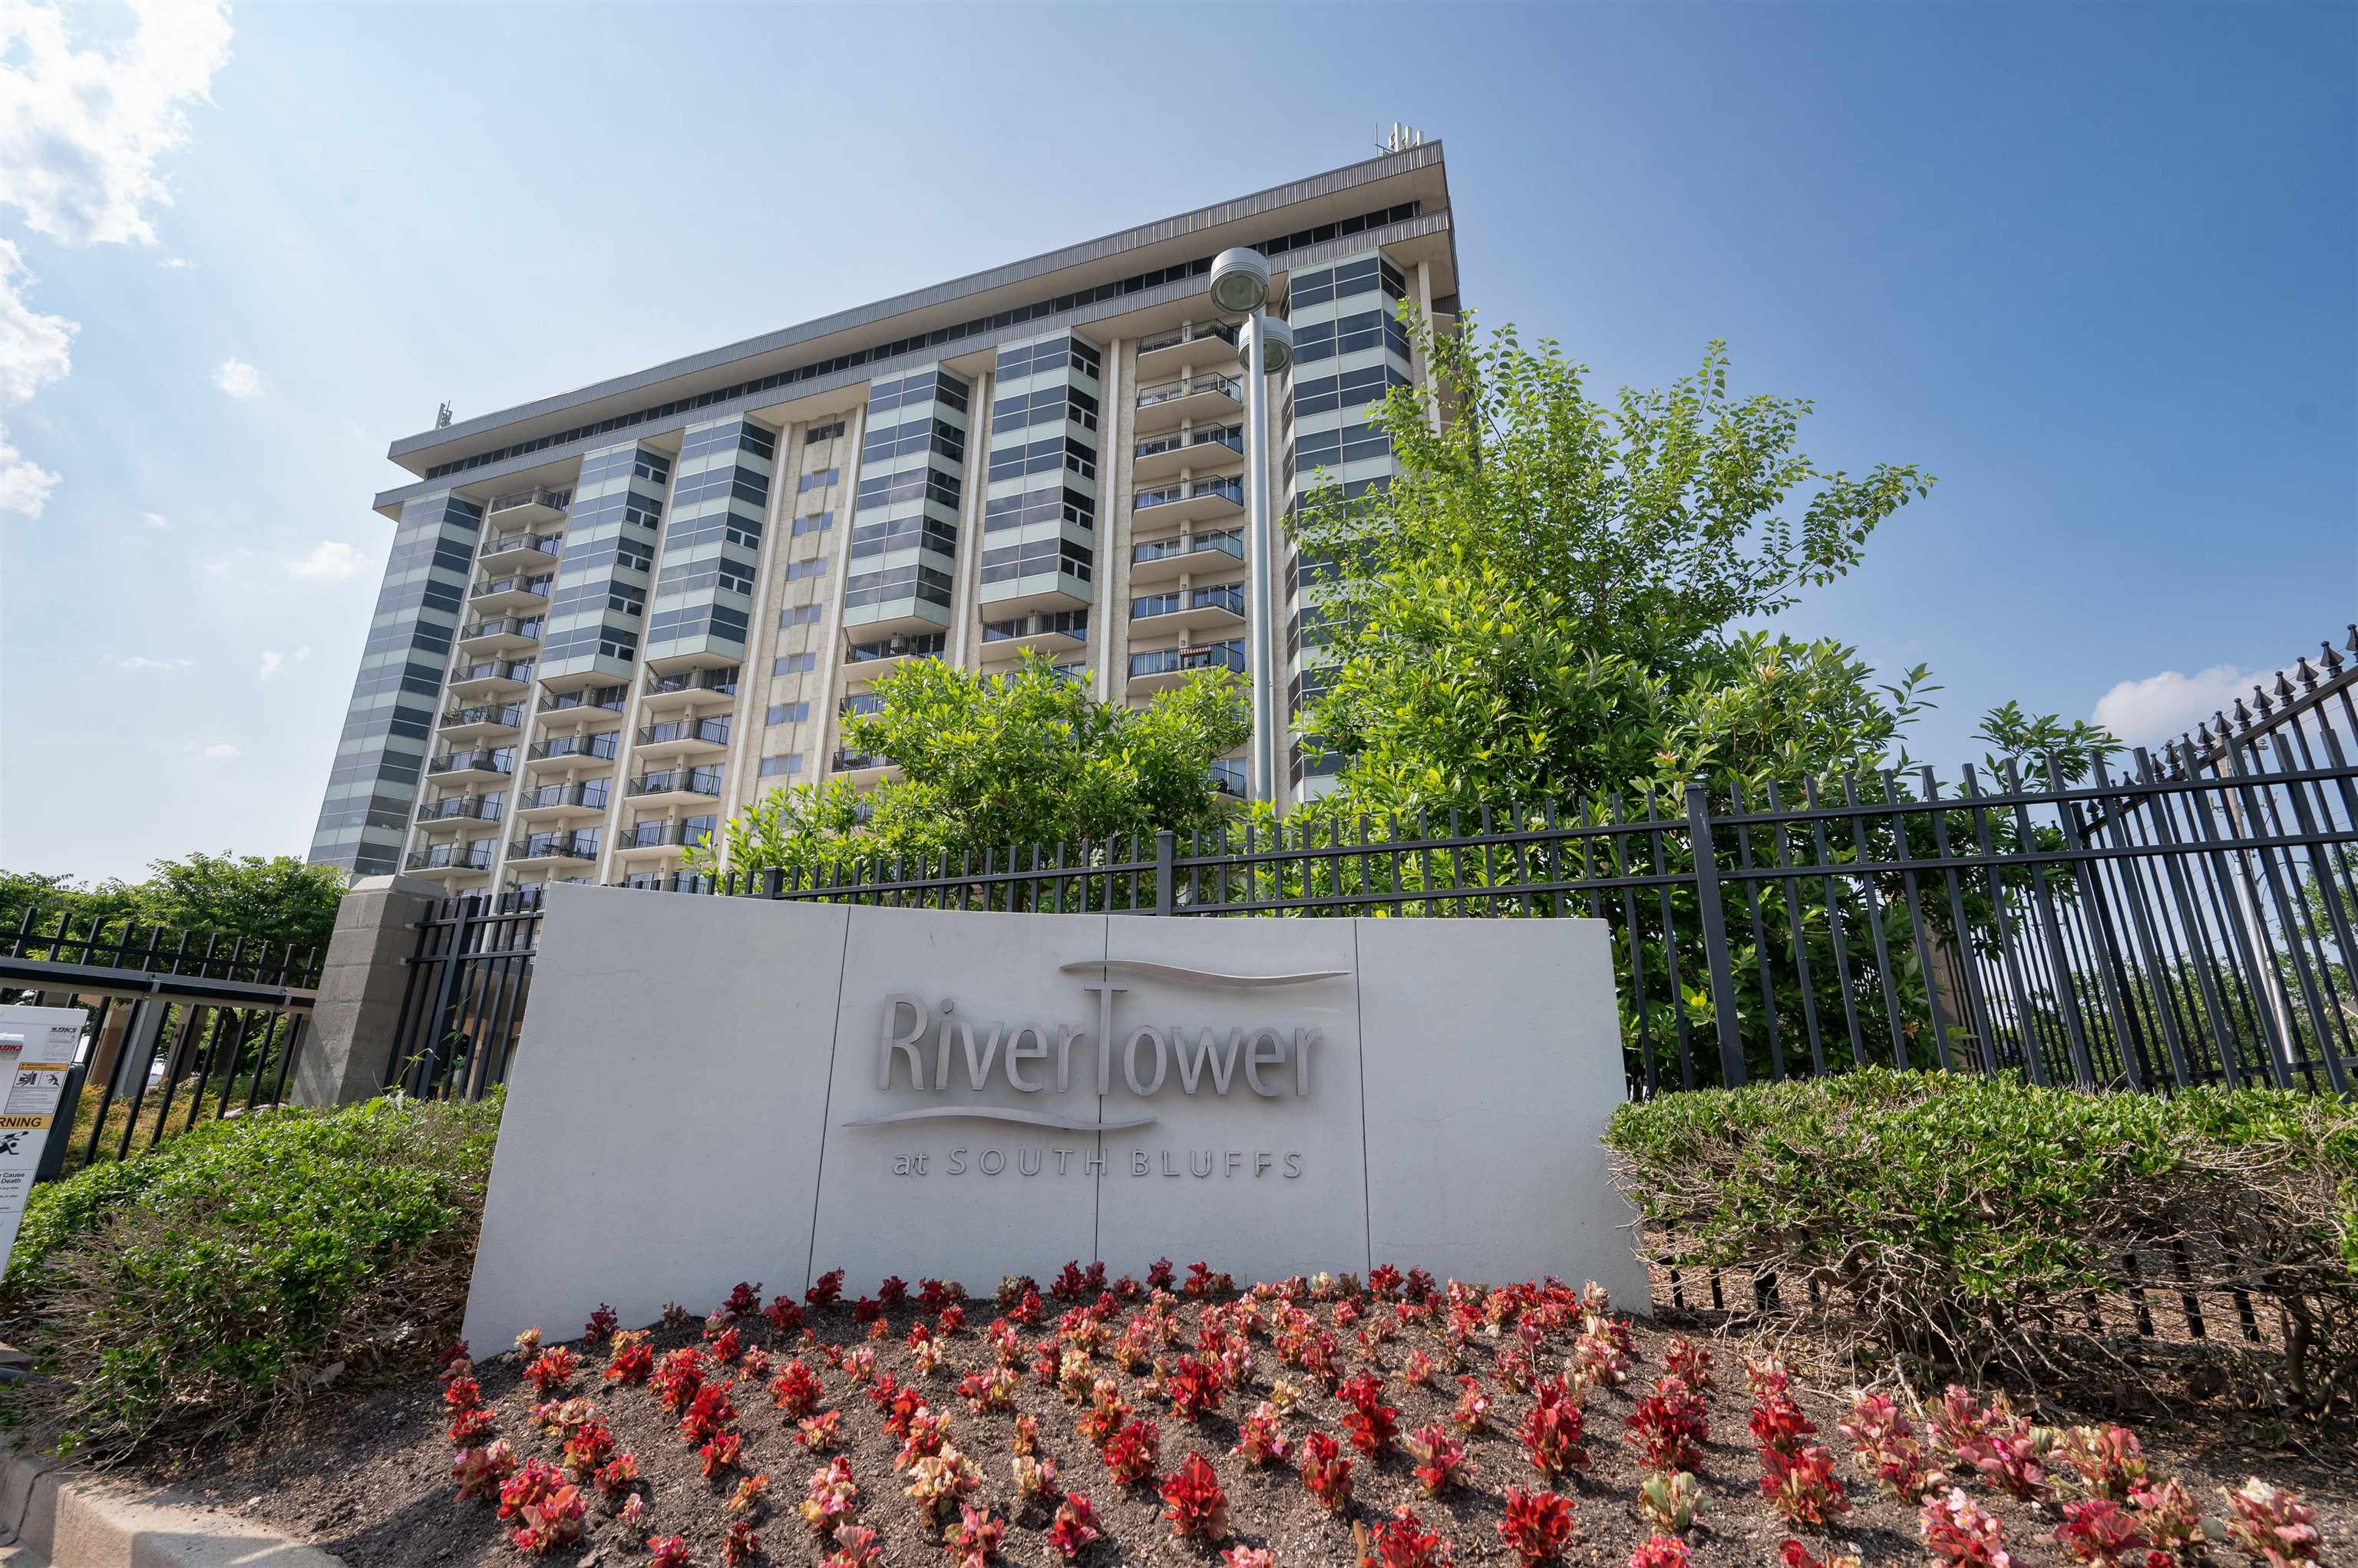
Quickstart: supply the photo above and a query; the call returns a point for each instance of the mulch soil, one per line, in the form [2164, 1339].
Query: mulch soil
[368, 1477]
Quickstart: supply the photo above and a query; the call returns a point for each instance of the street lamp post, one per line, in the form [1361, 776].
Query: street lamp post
[1240, 287]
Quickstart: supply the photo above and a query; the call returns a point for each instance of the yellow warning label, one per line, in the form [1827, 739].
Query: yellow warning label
[45, 1067]
[21, 1123]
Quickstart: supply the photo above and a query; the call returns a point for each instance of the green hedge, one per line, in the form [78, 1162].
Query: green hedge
[1962, 1220]
[200, 1285]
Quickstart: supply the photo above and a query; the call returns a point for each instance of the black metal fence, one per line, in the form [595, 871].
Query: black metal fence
[183, 1026]
[2159, 922]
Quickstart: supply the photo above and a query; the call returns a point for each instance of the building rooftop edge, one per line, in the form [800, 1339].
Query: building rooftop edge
[1383, 166]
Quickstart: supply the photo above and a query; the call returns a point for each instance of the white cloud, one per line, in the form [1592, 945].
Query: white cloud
[303, 654]
[2164, 707]
[216, 751]
[154, 520]
[35, 350]
[239, 379]
[177, 264]
[82, 128]
[25, 485]
[272, 663]
[330, 560]
[142, 662]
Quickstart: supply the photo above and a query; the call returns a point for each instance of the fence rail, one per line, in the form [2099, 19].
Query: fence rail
[183, 1026]
[2158, 922]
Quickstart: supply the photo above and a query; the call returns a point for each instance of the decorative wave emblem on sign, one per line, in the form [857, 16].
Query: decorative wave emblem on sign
[1245, 1047]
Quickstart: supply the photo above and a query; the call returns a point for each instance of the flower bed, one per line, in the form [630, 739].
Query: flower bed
[1396, 1423]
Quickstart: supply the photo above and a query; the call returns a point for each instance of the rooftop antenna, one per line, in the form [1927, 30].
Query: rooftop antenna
[1402, 138]
[442, 418]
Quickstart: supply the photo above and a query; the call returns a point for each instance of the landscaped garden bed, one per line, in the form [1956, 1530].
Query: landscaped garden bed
[1279, 1393]
[262, 1311]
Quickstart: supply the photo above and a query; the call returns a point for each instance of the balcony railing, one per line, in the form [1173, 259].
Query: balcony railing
[662, 835]
[713, 729]
[1224, 596]
[1232, 436]
[1193, 331]
[1074, 623]
[1232, 489]
[1228, 655]
[555, 847]
[506, 626]
[540, 495]
[539, 544]
[461, 808]
[451, 857]
[511, 715]
[927, 646]
[679, 781]
[1227, 776]
[494, 669]
[1171, 391]
[498, 762]
[591, 792]
[600, 747]
[722, 682]
[612, 699]
[515, 582]
[1228, 542]
[852, 762]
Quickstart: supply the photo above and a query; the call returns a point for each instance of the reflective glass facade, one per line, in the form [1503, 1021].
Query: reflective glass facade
[597, 614]
[902, 564]
[712, 544]
[373, 784]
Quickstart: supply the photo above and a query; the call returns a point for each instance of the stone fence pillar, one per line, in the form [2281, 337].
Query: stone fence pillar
[360, 988]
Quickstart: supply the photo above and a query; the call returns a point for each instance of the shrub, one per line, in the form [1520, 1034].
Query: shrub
[1962, 1221]
[1555, 1430]
[1536, 1525]
[206, 1285]
[1326, 1473]
[1129, 1454]
[1075, 1526]
[1402, 1541]
[1958, 1534]
[2273, 1526]
[1194, 1502]
[1668, 1428]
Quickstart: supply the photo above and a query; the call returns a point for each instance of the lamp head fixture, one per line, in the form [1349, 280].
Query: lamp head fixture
[1240, 280]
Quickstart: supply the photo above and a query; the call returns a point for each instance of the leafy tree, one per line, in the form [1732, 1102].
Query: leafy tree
[994, 761]
[1555, 598]
[277, 896]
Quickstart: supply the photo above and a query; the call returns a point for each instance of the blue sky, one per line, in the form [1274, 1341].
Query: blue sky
[2093, 265]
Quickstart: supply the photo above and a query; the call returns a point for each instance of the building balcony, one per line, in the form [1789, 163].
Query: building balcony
[1053, 634]
[1219, 608]
[1197, 446]
[534, 508]
[575, 749]
[503, 634]
[1163, 560]
[1199, 501]
[1196, 344]
[512, 594]
[1175, 403]
[688, 690]
[906, 617]
[479, 766]
[860, 767]
[1228, 777]
[1057, 589]
[546, 851]
[1168, 667]
[491, 678]
[444, 862]
[523, 552]
[465, 726]
[868, 661]
[582, 800]
[658, 840]
[457, 812]
[676, 787]
[588, 707]
[682, 738]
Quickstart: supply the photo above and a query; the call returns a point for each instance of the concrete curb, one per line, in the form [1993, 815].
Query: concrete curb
[79, 1521]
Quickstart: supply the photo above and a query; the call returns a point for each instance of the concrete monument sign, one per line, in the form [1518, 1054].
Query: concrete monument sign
[715, 1089]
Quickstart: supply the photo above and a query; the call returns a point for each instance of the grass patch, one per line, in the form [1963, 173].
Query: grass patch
[210, 1284]
[1971, 1222]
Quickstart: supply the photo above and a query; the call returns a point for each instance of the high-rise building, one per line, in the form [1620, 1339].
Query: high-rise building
[613, 617]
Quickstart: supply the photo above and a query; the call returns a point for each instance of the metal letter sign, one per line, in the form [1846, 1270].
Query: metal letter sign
[37, 1050]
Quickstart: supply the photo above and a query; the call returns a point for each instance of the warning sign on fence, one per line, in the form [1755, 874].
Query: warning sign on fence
[38, 1045]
